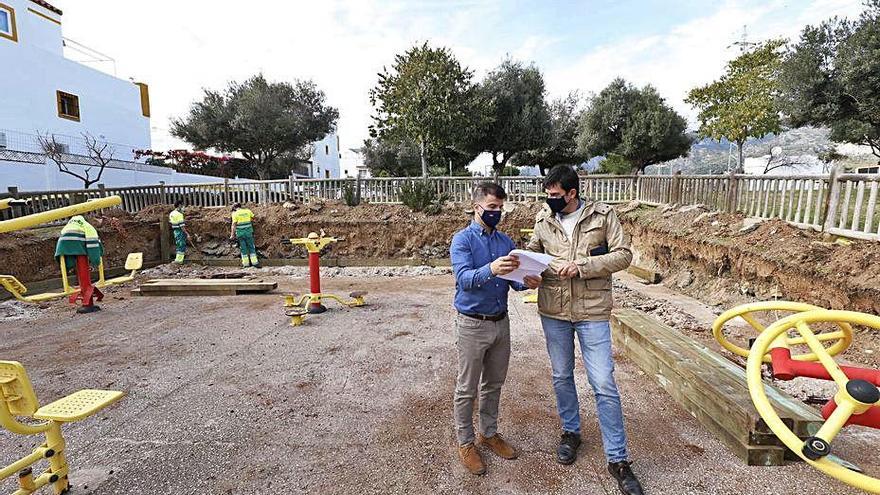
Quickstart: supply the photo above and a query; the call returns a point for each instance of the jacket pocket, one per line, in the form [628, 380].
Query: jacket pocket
[593, 298]
[550, 300]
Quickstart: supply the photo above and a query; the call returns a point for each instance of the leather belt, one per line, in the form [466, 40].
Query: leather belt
[497, 317]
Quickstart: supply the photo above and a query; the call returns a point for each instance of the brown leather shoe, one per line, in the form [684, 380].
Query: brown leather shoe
[471, 458]
[498, 445]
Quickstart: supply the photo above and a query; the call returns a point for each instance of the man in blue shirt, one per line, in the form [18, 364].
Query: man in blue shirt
[480, 254]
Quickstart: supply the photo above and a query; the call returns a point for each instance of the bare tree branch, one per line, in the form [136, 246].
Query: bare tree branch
[100, 154]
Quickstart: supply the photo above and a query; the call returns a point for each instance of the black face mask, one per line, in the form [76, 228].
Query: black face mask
[557, 204]
[490, 217]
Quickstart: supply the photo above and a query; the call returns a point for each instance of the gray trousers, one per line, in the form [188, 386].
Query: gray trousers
[483, 356]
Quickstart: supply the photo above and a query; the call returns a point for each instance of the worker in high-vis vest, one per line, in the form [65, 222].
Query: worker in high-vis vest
[181, 235]
[79, 238]
[81, 247]
[243, 230]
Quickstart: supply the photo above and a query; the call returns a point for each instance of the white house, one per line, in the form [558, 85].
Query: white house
[325, 158]
[352, 164]
[42, 92]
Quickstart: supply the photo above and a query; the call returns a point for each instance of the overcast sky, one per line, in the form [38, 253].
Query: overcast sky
[179, 47]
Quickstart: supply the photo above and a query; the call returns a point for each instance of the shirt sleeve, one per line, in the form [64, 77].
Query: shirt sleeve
[467, 275]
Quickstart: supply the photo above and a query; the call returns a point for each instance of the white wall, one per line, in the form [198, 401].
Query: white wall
[325, 157]
[34, 69]
[44, 177]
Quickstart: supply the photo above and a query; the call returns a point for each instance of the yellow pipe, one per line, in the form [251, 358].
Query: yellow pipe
[10, 202]
[58, 213]
[36, 456]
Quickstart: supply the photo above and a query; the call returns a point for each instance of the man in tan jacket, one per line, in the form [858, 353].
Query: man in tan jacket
[574, 299]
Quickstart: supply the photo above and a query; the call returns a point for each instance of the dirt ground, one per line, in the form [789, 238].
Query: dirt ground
[224, 397]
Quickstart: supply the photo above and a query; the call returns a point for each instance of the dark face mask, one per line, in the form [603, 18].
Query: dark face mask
[557, 204]
[490, 217]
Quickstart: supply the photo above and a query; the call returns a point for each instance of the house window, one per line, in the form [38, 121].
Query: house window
[326, 149]
[68, 106]
[7, 23]
[326, 174]
[869, 170]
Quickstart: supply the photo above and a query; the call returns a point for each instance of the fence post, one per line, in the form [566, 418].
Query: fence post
[675, 197]
[13, 193]
[226, 191]
[832, 202]
[290, 182]
[732, 191]
[638, 185]
[164, 238]
[163, 198]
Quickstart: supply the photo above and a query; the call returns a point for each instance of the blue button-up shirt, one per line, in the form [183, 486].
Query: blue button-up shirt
[477, 291]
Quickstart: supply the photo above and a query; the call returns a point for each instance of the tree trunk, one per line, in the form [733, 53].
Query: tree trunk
[422, 156]
[741, 168]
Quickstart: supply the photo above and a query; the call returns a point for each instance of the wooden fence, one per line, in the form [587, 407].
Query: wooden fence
[843, 204]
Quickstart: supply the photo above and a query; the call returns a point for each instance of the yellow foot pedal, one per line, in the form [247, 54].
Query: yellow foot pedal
[78, 405]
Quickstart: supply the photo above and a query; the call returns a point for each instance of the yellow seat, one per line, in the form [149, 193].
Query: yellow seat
[133, 262]
[17, 398]
[78, 405]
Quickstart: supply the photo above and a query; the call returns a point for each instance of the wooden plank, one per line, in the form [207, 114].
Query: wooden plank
[710, 387]
[648, 276]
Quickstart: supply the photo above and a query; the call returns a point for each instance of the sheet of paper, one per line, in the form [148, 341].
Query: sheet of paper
[529, 264]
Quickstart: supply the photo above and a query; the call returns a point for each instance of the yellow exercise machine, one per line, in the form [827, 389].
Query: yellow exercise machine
[842, 338]
[311, 302]
[17, 398]
[133, 262]
[857, 400]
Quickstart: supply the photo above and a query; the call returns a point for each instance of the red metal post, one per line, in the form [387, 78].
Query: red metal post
[315, 281]
[87, 292]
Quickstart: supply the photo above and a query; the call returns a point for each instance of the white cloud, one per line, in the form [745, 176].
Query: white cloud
[180, 47]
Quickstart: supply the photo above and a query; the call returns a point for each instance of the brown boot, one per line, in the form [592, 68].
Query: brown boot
[498, 445]
[471, 458]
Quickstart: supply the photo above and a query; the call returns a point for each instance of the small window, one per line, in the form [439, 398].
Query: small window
[68, 106]
[7, 23]
[326, 174]
[326, 149]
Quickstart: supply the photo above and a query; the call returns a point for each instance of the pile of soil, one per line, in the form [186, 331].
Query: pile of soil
[725, 259]
[368, 230]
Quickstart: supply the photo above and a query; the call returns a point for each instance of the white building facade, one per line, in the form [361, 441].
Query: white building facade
[325, 158]
[44, 93]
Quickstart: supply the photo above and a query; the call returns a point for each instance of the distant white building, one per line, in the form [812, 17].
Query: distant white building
[44, 92]
[352, 164]
[325, 158]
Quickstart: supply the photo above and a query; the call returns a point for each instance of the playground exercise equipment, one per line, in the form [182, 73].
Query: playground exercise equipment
[133, 262]
[297, 316]
[58, 213]
[842, 338]
[314, 243]
[17, 398]
[857, 400]
[85, 291]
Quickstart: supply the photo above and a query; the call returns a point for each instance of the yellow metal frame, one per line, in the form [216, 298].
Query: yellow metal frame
[314, 243]
[17, 398]
[843, 337]
[846, 404]
[58, 213]
[133, 262]
[295, 301]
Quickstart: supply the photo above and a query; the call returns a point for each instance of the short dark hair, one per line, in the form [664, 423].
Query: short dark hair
[563, 176]
[236, 206]
[484, 189]
[178, 203]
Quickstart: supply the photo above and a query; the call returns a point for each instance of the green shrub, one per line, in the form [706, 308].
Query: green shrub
[420, 195]
[350, 194]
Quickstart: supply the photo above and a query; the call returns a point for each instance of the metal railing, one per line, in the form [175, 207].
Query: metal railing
[843, 204]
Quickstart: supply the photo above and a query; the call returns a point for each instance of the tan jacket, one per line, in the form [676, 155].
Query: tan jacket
[588, 296]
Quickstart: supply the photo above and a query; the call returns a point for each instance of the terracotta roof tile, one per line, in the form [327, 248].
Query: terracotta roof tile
[48, 6]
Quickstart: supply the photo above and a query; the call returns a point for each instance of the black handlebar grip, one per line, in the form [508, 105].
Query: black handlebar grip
[286, 241]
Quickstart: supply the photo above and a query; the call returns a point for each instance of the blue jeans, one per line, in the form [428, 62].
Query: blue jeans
[595, 342]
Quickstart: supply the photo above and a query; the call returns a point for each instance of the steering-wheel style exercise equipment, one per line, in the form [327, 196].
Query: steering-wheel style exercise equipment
[311, 303]
[842, 338]
[857, 400]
